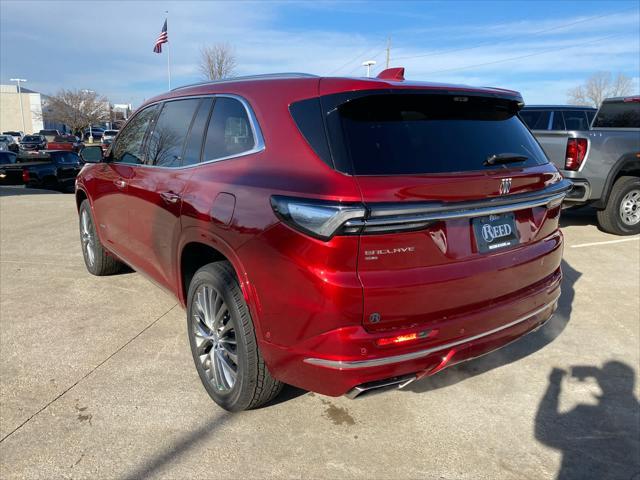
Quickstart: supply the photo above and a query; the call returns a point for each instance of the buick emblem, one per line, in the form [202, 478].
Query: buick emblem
[505, 186]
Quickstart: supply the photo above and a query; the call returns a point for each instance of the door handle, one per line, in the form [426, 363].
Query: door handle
[120, 183]
[170, 197]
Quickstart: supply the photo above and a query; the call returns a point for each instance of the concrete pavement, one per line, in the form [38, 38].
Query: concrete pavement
[97, 381]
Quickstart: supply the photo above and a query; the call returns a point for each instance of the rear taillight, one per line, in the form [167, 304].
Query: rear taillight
[576, 151]
[25, 175]
[317, 218]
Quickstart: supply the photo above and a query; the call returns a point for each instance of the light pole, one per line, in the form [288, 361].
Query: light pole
[87, 92]
[368, 64]
[19, 81]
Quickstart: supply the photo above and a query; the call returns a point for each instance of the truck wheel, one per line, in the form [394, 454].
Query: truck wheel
[622, 214]
[223, 341]
[97, 260]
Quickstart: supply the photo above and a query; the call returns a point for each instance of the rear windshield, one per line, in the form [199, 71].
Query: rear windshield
[110, 132]
[31, 138]
[396, 134]
[618, 115]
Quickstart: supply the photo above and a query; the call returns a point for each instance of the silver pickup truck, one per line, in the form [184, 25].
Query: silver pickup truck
[602, 161]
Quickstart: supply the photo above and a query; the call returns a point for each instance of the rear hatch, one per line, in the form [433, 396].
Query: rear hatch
[462, 204]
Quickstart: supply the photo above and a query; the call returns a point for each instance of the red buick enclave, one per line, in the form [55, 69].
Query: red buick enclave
[337, 234]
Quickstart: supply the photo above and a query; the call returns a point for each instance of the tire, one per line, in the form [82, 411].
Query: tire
[97, 260]
[621, 216]
[226, 352]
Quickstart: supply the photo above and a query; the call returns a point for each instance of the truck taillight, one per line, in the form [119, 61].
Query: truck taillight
[576, 151]
[25, 175]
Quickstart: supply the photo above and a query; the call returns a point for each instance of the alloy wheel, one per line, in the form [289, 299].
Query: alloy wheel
[86, 233]
[630, 208]
[215, 338]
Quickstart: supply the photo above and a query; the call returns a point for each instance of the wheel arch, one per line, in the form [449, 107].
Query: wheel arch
[627, 165]
[199, 249]
[81, 196]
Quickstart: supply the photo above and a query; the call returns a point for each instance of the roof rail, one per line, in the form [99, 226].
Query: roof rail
[265, 76]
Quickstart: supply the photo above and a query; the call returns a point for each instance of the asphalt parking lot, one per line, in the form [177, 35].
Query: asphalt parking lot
[97, 381]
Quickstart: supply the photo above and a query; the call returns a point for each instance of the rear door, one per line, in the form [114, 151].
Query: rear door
[439, 240]
[155, 189]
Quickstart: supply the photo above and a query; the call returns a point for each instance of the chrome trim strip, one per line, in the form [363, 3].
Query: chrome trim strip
[456, 214]
[377, 362]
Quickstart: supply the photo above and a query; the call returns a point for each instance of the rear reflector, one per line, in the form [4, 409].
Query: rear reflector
[576, 151]
[408, 337]
[25, 175]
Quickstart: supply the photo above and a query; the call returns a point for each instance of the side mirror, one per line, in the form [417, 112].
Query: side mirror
[91, 154]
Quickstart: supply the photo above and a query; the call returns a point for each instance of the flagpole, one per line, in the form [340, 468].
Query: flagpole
[168, 50]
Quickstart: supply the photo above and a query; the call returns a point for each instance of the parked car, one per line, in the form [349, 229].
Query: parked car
[96, 133]
[17, 136]
[337, 234]
[75, 141]
[33, 143]
[61, 143]
[9, 173]
[558, 117]
[109, 134]
[603, 163]
[7, 142]
[55, 171]
[49, 134]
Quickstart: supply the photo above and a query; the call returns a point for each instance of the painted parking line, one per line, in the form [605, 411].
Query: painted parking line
[608, 242]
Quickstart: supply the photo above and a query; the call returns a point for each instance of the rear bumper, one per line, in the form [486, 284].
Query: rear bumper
[315, 366]
[580, 191]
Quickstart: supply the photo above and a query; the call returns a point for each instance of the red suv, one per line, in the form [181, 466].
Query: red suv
[337, 234]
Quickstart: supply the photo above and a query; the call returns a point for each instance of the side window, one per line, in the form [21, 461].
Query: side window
[166, 141]
[576, 120]
[193, 147]
[128, 148]
[536, 119]
[229, 131]
[558, 122]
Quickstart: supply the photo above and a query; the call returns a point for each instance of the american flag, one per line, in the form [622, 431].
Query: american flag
[162, 38]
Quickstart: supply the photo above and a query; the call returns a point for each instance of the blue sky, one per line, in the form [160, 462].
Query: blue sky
[541, 48]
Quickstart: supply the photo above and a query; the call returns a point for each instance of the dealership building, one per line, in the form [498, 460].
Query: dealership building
[12, 113]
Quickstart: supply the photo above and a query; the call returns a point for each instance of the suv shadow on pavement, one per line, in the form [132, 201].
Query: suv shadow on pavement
[579, 216]
[515, 351]
[596, 441]
[19, 190]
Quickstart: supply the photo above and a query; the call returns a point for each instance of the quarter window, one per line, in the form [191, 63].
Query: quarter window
[165, 144]
[128, 148]
[229, 131]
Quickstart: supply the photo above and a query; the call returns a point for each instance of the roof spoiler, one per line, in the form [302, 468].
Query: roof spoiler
[396, 73]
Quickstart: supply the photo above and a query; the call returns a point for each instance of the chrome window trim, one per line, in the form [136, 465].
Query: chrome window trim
[258, 147]
[377, 362]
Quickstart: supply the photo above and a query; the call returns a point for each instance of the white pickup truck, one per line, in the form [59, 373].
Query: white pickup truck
[602, 161]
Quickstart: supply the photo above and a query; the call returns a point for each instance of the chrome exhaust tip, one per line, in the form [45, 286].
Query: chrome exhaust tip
[380, 386]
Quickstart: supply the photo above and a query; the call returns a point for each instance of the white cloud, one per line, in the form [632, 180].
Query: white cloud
[109, 49]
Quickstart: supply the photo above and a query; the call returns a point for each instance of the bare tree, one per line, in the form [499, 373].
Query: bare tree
[217, 61]
[77, 109]
[598, 87]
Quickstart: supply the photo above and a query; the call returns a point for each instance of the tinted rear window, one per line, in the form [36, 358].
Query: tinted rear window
[394, 134]
[31, 138]
[618, 115]
[536, 119]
